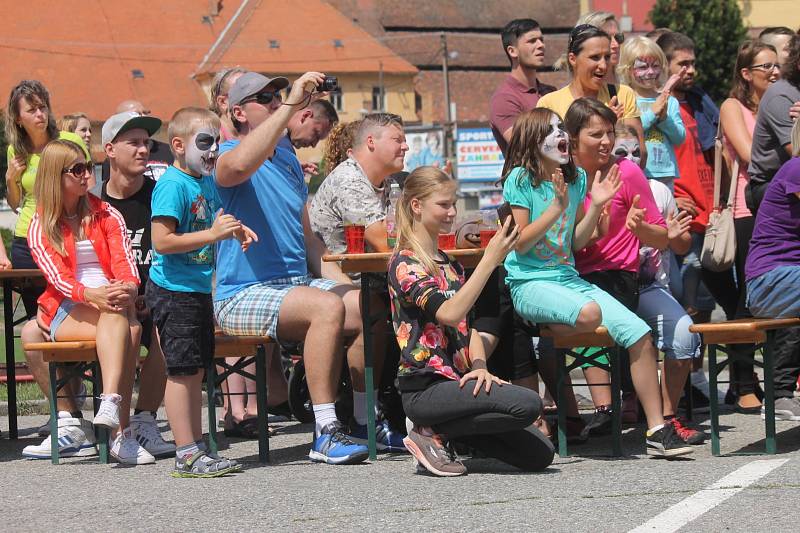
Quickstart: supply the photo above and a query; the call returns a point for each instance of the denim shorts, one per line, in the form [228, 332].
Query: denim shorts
[61, 313]
[774, 294]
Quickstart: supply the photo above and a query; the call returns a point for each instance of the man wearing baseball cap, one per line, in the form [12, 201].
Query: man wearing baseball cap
[281, 287]
[129, 189]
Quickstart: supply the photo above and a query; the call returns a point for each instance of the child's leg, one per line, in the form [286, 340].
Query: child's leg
[153, 376]
[630, 331]
[183, 401]
[236, 390]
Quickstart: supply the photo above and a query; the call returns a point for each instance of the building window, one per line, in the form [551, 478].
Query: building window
[378, 103]
[337, 100]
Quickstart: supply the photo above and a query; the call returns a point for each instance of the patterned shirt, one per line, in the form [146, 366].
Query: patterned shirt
[429, 352]
[345, 196]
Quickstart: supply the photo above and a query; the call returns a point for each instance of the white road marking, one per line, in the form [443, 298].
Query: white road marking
[703, 501]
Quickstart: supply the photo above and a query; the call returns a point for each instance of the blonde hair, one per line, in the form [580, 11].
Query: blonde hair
[421, 184]
[70, 122]
[187, 120]
[796, 139]
[56, 156]
[596, 18]
[635, 48]
[339, 142]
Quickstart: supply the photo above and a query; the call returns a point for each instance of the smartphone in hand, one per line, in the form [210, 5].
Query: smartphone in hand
[503, 212]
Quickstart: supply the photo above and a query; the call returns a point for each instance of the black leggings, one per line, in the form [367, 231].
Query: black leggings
[729, 290]
[497, 424]
[31, 290]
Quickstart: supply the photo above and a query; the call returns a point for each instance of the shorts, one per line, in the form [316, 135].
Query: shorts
[255, 310]
[185, 322]
[669, 322]
[513, 357]
[62, 312]
[560, 301]
[774, 294]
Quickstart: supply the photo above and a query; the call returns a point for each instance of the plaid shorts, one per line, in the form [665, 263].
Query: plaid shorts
[255, 310]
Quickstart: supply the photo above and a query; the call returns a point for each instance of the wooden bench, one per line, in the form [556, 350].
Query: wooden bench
[720, 336]
[577, 347]
[84, 355]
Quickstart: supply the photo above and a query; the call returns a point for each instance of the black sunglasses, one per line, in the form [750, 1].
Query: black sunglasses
[619, 37]
[204, 141]
[264, 98]
[79, 170]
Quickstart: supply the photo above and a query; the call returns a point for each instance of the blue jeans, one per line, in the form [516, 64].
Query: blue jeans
[775, 294]
[669, 322]
[695, 293]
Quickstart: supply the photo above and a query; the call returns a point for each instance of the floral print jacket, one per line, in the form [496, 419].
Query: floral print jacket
[429, 352]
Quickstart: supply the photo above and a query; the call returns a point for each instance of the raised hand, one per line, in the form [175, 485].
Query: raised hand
[304, 85]
[504, 241]
[246, 237]
[560, 189]
[604, 190]
[678, 224]
[224, 226]
[617, 107]
[635, 215]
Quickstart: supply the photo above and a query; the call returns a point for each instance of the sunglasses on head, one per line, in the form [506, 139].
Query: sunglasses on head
[264, 98]
[204, 141]
[619, 37]
[79, 170]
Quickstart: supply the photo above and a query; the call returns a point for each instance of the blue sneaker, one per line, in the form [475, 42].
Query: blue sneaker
[386, 440]
[334, 446]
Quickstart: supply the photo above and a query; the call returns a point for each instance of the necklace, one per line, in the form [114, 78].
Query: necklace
[71, 217]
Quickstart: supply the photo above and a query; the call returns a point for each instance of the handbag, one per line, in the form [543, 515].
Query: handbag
[719, 247]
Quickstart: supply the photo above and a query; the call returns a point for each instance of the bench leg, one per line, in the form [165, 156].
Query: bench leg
[616, 402]
[211, 380]
[261, 400]
[53, 414]
[713, 399]
[562, 403]
[769, 393]
[101, 432]
[369, 385]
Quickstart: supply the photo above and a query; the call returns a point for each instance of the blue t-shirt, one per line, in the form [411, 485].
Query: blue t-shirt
[193, 203]
[661, 137]
[552, 256]
[271, 203]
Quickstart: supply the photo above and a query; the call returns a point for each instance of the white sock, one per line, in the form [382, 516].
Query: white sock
[360, 406]
[324, 414]
[654, 429]
[64, 414]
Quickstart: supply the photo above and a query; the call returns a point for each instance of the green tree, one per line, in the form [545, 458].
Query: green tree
[716, 28]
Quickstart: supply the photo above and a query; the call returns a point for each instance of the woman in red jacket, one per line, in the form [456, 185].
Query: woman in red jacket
[81, 245]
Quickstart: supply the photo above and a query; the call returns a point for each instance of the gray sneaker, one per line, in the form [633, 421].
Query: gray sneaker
[785, 409]
[431, 453]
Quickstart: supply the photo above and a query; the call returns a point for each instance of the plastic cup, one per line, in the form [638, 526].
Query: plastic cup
[486, 236]
[490, 223]
[447, 241]
[354, 238]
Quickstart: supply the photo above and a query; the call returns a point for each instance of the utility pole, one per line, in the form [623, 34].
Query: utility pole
[448, 126]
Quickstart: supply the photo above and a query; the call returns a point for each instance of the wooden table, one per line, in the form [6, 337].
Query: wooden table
[373, 263]
[8, 277]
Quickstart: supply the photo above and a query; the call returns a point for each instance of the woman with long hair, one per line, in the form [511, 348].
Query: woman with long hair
[79, 124]
[81, 245]
[30, 125]
[755, 70]
[447, 391]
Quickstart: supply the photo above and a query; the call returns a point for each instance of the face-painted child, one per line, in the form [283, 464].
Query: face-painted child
[201, 151]
[627, 146]
[555, 146]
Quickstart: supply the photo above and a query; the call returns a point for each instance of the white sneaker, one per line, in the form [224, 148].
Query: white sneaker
[75, 439]
[127, 450]
[108, 412]
[146, 430]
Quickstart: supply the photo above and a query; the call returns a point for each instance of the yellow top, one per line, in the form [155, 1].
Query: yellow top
[560, 100]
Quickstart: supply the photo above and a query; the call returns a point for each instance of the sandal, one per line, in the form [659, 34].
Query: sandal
[245, 429]
[205, 465]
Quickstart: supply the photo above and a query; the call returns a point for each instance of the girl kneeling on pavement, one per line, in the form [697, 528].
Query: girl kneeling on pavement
[546, 192]
[81, 245]
[447, 392]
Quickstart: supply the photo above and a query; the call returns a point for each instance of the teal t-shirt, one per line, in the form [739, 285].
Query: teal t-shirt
[551, 257]
[193, 203]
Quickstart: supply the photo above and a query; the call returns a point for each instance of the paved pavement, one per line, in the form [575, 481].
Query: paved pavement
[585, 492]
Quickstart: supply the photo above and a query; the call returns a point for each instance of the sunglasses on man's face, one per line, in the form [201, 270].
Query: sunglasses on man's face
[204, 141]
[264, 98]
[619, 37]
[79, 170]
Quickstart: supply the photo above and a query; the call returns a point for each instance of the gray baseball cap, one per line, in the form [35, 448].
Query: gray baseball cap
[251, 83]
[128, 120]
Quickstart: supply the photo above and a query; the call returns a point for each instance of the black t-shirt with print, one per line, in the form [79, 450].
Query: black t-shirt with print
[136, 212]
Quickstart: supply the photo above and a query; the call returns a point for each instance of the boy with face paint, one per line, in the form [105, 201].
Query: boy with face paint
[186, 222]
[642, 64]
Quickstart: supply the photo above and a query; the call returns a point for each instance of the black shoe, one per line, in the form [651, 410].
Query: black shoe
[599, 424]
[700, 401]
[666, 443]
[282, 409]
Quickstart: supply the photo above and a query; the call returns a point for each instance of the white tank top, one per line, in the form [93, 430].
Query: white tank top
[88, 271]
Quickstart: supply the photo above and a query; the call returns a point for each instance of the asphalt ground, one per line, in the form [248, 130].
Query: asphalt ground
[587, 491]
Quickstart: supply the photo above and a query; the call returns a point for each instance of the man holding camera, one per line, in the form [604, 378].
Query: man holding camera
[281, 287]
